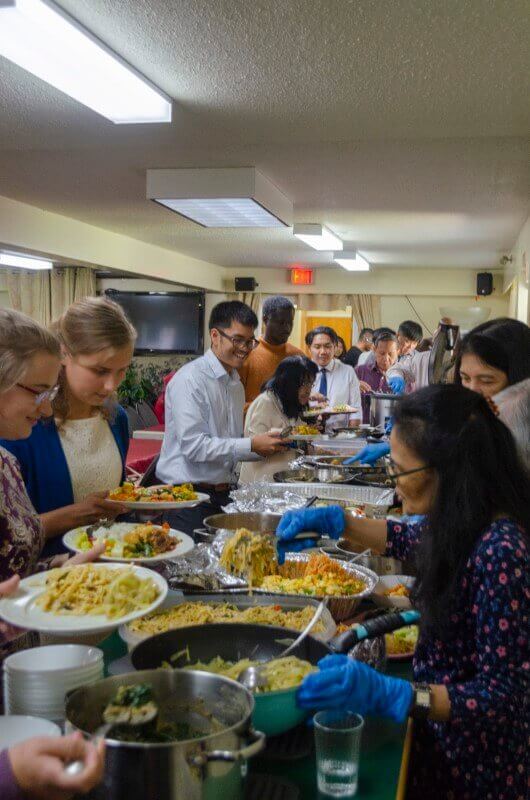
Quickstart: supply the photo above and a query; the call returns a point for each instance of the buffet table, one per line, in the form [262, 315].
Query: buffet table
[381, 749]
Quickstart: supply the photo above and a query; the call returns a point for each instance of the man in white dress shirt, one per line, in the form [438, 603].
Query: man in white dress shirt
[335, 380]
[203, 439]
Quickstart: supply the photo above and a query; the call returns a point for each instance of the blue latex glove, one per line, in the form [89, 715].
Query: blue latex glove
[328, 520]
[349, 685]
[369, 454]
[397, 384]
[389, 425]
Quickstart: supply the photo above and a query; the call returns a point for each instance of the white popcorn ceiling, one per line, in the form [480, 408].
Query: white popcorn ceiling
[403, 125]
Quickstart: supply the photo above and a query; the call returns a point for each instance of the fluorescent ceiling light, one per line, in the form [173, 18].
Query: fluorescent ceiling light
[24, 262]
[43, 39]
[238, 197]
[317, 236]
[352, 261]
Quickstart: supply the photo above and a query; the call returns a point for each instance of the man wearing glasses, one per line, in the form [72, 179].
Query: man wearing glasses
[203, 440]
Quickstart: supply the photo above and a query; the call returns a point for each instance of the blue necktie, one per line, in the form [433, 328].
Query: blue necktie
[323, 389]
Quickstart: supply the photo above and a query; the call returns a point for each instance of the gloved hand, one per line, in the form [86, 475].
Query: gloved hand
[369, 454]
[328, 520]
[346, 684]
[397, 384]
[389, 424]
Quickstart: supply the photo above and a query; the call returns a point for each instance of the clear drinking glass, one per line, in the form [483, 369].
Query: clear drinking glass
[337, 740]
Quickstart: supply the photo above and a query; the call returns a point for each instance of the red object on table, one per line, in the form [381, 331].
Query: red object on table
[142, 451]
[159, 407]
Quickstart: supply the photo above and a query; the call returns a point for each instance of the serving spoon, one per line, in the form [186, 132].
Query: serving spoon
[130, 716]
[253, 678]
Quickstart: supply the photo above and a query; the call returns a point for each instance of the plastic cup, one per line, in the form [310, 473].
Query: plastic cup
[337, 741]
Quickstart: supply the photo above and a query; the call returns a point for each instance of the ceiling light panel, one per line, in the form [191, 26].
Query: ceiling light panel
[23, 262]
[221, 198]
[352, 261]
[317, 236]
[42, 39]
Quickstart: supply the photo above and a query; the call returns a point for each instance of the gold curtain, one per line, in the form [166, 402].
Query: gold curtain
[366, 310]
[252, 299]
[44, 295]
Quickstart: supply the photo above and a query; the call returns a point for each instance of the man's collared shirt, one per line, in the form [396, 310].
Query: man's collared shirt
[371, 374]
[204, 425]
[343, 389]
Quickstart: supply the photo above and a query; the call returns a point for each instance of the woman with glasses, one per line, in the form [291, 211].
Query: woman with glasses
[29, 368]
[75, 455]
[455, 462]
[281, 403]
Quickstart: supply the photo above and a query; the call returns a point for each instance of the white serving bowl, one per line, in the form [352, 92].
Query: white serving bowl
[57, 659]
[17, 728]
[388, 582]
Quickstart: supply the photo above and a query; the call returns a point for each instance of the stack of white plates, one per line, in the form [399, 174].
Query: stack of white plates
[37, 680]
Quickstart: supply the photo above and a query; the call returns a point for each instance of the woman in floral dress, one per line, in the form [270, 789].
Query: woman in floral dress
[455, 462]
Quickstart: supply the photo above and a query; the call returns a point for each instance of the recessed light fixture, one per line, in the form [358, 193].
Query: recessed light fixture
[352, 261]
[41, 38]
[239, 197]
[317, 236]
[24, 262]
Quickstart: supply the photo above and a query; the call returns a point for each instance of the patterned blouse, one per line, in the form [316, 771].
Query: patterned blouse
[481, 753]
[21, 542]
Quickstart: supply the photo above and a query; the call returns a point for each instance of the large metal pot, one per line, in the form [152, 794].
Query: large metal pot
[204, 768]
[381, 408]
[257, 522]
[381, 565]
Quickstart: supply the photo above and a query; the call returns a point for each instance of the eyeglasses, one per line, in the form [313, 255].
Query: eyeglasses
[238, 342]
[393, 475]
[41, 397]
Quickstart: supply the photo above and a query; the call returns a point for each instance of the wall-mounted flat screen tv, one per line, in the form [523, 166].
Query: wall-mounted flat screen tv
[169, 322]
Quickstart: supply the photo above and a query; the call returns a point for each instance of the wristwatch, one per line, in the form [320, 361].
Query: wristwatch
[422, 701]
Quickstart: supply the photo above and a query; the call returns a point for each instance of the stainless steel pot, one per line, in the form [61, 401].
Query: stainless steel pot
[381, 565]
[254, 521]
[204, 768]
[381, 408]
[318, 474]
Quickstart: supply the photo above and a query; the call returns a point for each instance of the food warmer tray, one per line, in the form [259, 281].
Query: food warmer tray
[366, 495]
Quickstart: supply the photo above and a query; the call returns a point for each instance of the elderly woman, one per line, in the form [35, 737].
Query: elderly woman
[282, 401]
[456, 463]
[513, 405]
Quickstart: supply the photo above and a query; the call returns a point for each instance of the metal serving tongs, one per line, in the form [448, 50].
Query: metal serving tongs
[254, 678]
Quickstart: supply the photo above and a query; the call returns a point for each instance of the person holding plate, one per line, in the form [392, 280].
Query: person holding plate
[74, 456]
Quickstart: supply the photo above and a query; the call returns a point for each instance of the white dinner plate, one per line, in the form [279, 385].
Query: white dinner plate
[21, 608]
[330, 412]
[146, 505]
[183, 544]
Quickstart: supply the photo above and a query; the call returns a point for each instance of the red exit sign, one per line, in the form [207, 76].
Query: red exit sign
[301, 276]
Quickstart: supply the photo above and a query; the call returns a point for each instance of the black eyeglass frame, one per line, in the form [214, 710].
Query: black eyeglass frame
[238, 342]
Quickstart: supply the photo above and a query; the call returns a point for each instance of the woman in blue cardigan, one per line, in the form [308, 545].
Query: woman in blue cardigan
[71, 460]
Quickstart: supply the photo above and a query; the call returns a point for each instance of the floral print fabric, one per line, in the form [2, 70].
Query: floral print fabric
[481, 753]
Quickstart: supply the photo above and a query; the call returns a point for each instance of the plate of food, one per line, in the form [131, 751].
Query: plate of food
[161, 497]
[130, 541]
[303, 433]
[401, 644]
[329, 411]
[85, 598]
[393, 591]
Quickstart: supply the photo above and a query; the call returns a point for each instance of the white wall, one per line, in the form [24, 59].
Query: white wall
[517, 273]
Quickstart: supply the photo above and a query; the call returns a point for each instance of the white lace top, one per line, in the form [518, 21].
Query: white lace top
[92, 455]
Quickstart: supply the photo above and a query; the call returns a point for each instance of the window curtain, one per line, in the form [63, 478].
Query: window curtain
[366, 310]
[46, 294]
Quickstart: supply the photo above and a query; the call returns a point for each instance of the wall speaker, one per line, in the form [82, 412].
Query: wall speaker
[484, 283]
[246, 284]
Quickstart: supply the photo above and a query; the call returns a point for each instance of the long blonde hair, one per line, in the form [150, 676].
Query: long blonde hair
[21, 338]
[87, 327]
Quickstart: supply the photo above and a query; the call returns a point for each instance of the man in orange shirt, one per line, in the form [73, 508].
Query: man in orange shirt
[278, 318]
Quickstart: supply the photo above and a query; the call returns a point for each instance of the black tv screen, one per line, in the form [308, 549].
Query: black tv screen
[170, 322]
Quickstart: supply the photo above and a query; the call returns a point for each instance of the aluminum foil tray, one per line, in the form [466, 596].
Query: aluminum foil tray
[340, 606]
[369, 495]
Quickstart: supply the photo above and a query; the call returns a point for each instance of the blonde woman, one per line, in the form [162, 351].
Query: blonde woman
[71, 459]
